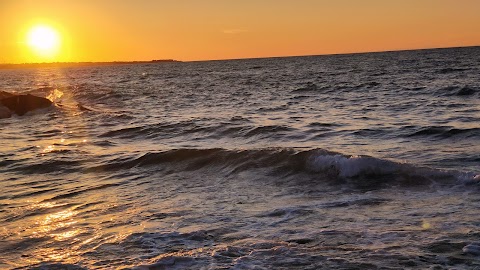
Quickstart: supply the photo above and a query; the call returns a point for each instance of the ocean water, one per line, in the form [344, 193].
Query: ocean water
[365, 161]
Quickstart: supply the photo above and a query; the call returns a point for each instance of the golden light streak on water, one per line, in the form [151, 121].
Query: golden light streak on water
[66, 235]
[55, 221]
[55, 95]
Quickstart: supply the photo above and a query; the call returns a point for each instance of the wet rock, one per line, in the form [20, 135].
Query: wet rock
[5, 112]
[4, 94]
[466, 91]
[20, 104]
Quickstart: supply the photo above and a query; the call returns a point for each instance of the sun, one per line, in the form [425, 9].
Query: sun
[44, 41]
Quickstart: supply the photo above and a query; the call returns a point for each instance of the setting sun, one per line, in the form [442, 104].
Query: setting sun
[44, 41]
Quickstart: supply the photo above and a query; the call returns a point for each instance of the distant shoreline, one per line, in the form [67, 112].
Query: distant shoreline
[82, 64]
[344, 53]
[87, 64]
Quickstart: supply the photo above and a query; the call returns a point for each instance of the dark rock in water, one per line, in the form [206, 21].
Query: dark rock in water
[466, 91]
[5, 95]
[21, 104]
[5, 112]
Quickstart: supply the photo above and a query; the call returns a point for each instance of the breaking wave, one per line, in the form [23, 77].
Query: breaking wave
[286, 161]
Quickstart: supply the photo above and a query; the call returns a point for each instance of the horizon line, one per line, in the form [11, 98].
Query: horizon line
[334, 54]
[225, 59]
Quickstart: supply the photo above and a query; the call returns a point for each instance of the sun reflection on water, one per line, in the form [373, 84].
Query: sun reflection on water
[66, 235]
[59, 145]
[55, 95]
[56, 221]
[52, 228]
[48, 149]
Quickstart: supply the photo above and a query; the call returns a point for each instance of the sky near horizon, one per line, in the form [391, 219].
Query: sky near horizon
[129, 30]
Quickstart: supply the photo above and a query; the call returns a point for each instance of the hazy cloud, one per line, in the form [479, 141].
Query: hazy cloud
[234, 31]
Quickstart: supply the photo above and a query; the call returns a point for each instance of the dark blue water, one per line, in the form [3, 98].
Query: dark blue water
[362, 161]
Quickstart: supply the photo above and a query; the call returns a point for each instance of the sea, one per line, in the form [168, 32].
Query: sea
[359, 161]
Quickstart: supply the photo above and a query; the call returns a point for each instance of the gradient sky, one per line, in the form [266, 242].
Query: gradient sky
[126, 30]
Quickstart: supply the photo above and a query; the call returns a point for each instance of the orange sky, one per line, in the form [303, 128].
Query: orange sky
[110, 30]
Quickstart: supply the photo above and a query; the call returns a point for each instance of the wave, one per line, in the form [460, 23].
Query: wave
[310, 87]
[282, 162]
[56, 266]
[189, 127]
[53, 165]
[445, 132]
[460, 91]
[73, 193]
[452, 70]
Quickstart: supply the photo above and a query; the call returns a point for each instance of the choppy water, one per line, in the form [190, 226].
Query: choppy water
[336, 162]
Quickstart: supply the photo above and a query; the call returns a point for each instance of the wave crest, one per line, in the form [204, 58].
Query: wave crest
[281, 162]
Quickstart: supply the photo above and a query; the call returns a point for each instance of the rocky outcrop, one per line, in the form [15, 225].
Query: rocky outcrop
[5, 112]
[20, 104]
[5, 95]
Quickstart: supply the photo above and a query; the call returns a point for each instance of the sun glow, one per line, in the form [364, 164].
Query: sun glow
[44, 41]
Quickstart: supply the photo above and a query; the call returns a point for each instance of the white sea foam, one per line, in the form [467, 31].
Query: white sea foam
[354, 165]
